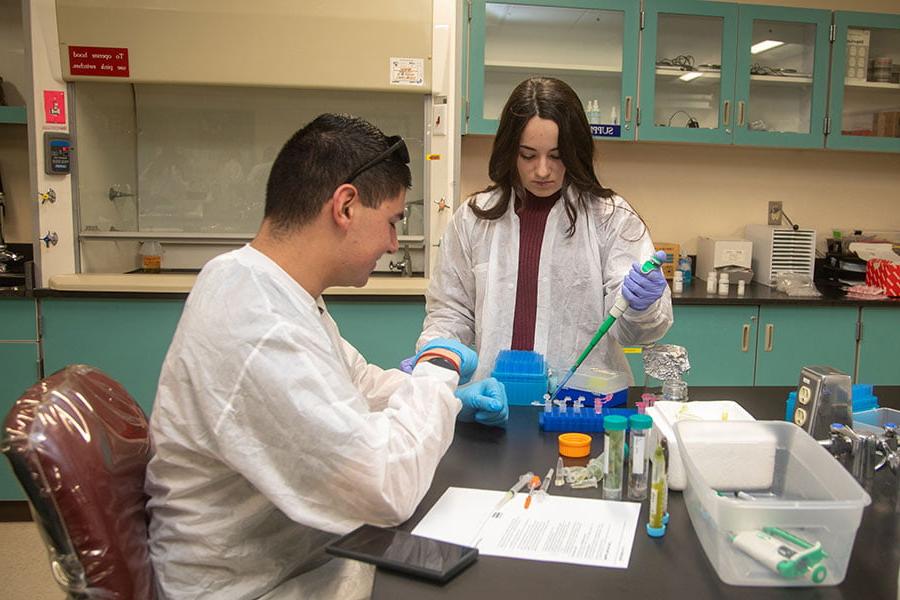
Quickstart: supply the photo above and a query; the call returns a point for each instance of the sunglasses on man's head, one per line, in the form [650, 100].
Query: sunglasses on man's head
[396, 151]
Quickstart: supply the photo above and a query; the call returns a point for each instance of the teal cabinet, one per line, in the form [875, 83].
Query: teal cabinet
[590, 44]
[384, 332]
[127, 339]
[878, 362]
[715, 72]
[791, 337]
[20, 368]
[864, 110]
[720, 341]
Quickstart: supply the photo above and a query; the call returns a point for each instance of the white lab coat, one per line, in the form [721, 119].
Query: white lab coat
[272, 434]
[472, 294]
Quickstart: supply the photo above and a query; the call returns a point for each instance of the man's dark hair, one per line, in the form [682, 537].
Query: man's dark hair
[319, 158]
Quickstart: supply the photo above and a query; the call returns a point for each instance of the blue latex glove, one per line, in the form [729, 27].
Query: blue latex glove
[468, 360]
[484, 402]
[407, 364]
[641, 290]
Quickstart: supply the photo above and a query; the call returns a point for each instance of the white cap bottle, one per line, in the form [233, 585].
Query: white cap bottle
[711, 282]
[723, 284]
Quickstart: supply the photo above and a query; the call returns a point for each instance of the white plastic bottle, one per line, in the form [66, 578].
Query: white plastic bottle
[711, 283]
[614, 115]
[723, 284]
[678, 282]
[741, 287]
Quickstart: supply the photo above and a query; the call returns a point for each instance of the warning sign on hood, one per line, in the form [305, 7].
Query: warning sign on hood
[98, 62]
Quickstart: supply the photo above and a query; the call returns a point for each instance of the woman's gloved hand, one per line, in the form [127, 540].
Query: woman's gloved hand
[641, 290]
[484, 402]
[468, 359]
[407, 364]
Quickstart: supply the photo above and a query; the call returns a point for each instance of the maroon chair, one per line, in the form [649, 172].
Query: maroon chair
[79, 445]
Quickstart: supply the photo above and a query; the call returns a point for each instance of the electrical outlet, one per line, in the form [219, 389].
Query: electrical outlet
[775, 213]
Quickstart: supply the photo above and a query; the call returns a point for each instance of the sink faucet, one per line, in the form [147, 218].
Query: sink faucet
[404, 267]
[864, 450]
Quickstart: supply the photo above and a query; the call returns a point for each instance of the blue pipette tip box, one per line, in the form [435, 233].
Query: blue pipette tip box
[523, 374]
[587, 421]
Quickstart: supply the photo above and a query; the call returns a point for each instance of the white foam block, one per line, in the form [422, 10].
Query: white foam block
[666, 414]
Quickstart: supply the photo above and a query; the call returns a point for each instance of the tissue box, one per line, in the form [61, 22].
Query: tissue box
[810, 496]
[884, 274]
[665, 414]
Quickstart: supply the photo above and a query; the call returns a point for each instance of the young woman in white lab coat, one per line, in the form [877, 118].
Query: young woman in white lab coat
[536, 260]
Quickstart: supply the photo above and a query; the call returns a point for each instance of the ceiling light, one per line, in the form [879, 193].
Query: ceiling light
[691, 75]
[765, 45]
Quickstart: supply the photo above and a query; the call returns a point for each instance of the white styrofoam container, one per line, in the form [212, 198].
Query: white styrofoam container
[811, 496]
[665, 414]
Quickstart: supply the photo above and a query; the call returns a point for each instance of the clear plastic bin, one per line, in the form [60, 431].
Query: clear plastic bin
[873, 421]
[808, 497]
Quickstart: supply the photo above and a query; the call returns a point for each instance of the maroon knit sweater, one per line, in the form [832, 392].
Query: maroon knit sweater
[532, 212]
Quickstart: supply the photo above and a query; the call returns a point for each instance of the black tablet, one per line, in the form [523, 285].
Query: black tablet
[404, 552]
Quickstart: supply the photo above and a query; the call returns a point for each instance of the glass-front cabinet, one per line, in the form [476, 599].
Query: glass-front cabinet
[722, 73]
[782, 82]
[687, 71]
[591, 45]
[186, 166]
[865, 82]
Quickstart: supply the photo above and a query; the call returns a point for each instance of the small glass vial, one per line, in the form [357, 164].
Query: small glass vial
[151, 256]
[741, 287]
[723, 284]
[711, 282]
[613, 456]
[638, 462]
[678, 282]
[675, 390]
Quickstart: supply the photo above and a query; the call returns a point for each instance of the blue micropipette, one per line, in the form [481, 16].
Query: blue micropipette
[614, 313]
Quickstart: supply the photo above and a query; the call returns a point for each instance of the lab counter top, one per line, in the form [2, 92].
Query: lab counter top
[757, 293]
[178, 285]
[674, 566]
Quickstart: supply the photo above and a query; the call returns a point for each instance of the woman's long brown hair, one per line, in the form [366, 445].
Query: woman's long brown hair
[552, 99]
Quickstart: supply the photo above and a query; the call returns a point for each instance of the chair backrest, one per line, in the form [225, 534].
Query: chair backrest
[79, 445]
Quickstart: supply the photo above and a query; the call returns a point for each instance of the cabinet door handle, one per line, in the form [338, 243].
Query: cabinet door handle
[726, 116]
[745, 338]
[741, 113]
[627, 109]
[770, 335]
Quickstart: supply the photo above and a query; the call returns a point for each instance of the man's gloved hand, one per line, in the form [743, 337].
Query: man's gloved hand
[407, 364]
[484, 402]
[468, 359]
[641, 290]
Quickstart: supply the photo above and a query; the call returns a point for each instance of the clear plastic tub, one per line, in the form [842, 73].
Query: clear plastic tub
[594, 382]
[808, 496]
[873, 421]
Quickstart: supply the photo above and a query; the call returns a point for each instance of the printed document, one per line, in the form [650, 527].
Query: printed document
[580, 531]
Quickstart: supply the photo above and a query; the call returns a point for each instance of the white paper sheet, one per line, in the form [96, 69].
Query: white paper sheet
[581, 531]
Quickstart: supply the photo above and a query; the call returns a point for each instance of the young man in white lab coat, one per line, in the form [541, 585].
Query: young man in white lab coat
[272, 433]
